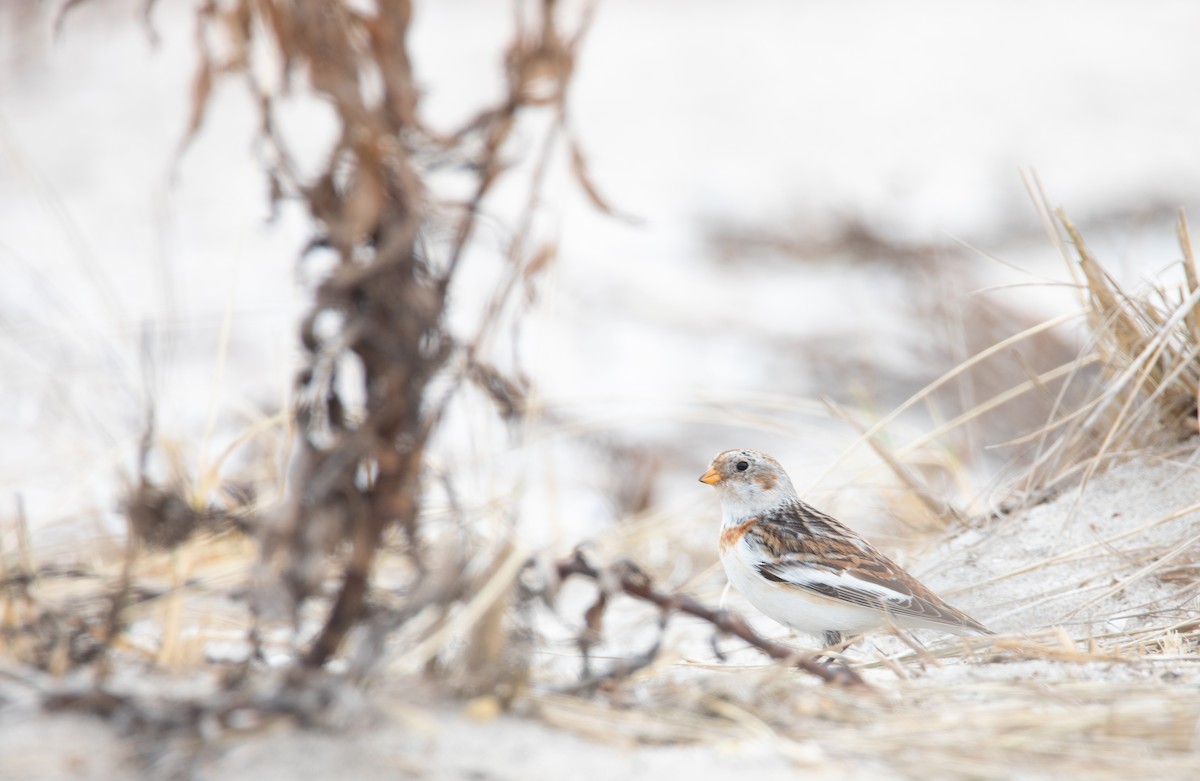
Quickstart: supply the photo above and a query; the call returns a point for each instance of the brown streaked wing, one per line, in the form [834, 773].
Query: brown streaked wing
[799, 537]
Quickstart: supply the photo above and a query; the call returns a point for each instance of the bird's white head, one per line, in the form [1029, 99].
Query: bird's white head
[749, 483]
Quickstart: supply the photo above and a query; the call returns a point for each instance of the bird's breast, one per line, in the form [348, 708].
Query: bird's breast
[732, 534]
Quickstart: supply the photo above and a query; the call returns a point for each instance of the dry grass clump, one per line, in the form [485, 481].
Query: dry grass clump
[1148, 344]
[1132, 388]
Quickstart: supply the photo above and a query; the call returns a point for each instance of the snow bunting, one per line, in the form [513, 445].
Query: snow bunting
[806, 570]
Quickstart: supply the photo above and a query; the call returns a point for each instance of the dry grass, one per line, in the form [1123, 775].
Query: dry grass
[1045, 703]
[1147, 343]
[463, 608]
[971, 729]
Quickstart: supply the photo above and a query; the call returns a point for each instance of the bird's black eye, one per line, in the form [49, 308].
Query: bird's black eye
[742, 466]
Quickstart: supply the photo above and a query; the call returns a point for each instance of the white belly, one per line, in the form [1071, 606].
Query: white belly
[793, 606]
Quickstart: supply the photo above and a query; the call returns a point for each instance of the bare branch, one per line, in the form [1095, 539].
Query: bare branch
[637, 584]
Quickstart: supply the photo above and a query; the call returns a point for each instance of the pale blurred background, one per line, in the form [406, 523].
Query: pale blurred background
[814, 200]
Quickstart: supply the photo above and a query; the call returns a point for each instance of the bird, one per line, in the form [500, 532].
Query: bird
[806, 570]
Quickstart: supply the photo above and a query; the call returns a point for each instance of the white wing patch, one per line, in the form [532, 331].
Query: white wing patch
[829, 582]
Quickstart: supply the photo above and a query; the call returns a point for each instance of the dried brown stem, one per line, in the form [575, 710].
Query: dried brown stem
[637, 584]
[381, 311]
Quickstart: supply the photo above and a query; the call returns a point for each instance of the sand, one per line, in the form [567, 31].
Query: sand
[1110, 694]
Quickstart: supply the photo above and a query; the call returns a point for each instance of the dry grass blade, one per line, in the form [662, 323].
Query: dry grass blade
[1159, 562]
[946, 378]
[995, 402]
[1184, 235]
[506, 571]
[939, 508]
[202, 82]
[1076, 553]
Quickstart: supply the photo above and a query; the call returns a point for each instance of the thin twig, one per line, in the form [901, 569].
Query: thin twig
[636, 584]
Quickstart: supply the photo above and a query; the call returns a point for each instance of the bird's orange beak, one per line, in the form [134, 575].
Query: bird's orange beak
[711, 477]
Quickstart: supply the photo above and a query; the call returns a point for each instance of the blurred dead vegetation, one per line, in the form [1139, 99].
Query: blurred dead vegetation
[347, 578]
[358, 469]
[381, 365]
